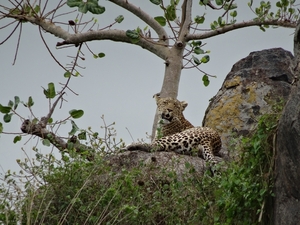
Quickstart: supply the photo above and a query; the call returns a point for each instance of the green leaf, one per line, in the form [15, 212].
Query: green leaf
[230, 6]
[198, 51]
[204, 2]
[67, 74]
[10, 103]
[30, 102]
[1, 128]
[196, 60]
[75, 128]
[196, 43]
[161, 20]
[205, 80]
[233, 14]
[50, 92]
[119, 19]
[199, 19]
[95, 135]
[262, 28]
[89, 5]
[46, 142]
[51, 89]
[133, 35]
[221, 22]
[14, 11]
[250, 3]
[278, 4]
[291, 10]
[170, 13]
[4, 109]
[74, 3]
[214, 25]
[70, 146]
[82, 135]
[94, 8]
[76, 113]
[50, 120]
[101, 55]
[17, 138]
[17, 101]
[285, 2]
[7, 117]
[219, 2]
[156, 2]
[83, 8]
[37, 8]
[205, 59]
[35, 121]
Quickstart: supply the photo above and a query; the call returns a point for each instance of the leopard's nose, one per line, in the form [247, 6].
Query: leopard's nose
[166, 116]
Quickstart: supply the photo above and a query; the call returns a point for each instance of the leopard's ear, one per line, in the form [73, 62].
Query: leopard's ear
[156, 96]
[184, 104]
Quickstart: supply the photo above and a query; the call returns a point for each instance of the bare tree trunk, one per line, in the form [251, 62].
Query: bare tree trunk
[173, 62]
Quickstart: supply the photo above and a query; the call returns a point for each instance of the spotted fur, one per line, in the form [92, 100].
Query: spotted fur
[180, 136]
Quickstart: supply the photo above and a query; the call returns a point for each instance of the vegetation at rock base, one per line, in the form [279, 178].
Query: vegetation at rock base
[72, 190]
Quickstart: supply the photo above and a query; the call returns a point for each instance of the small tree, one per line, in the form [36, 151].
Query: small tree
[174, 38]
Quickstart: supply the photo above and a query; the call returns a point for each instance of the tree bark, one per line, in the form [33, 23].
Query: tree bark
[174, 59]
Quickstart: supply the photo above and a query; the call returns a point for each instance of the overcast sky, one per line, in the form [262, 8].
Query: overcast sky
[119, 86]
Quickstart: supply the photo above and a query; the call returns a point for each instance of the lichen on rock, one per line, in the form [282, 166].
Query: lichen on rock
[249, 90]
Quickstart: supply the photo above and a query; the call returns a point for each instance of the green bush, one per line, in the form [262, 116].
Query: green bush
[74, 191]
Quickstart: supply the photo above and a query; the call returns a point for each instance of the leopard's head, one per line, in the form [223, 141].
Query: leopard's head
[170, 109]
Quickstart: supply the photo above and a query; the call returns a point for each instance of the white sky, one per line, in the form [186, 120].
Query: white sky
[119, 86]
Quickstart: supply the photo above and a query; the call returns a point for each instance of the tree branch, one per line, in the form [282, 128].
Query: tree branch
[39, 130]
[162, 34]
[116, 35]
[156, 48]
[227, 28]
[186, 19]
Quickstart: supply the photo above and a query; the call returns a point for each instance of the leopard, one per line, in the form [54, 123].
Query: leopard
[180, 136]
[171, 118]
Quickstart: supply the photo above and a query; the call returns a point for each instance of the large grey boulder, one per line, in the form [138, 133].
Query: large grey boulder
[249, 91]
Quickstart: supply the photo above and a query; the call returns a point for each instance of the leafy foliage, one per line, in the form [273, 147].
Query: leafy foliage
[74, 190]
[82, 192]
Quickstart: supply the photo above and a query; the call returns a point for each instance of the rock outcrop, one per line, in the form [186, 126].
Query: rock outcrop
[285, 207]
[286, 204]
[249, 91]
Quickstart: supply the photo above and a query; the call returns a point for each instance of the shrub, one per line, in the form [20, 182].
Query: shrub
[75, 191]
